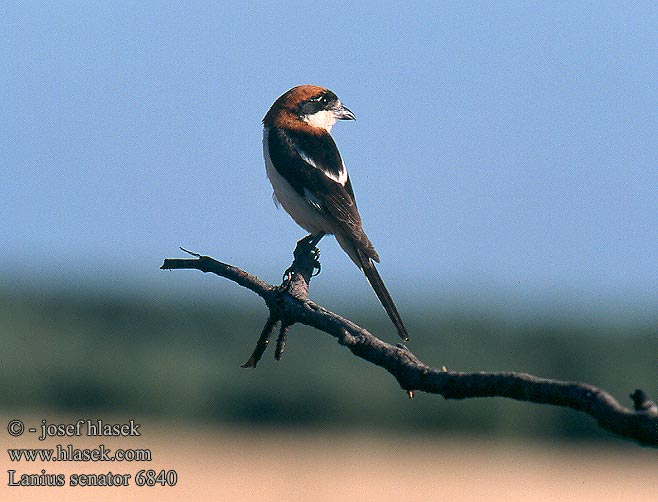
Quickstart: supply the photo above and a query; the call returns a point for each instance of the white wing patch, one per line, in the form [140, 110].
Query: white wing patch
[340, 178]
[303, 155]
[342, 175]
[312, 199]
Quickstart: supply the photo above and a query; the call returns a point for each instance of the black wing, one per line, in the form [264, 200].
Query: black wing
[313, 167]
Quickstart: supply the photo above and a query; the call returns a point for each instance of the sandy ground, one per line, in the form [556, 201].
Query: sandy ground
[272, 465]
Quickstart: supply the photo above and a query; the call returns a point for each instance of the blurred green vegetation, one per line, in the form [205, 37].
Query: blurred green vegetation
[78, 352]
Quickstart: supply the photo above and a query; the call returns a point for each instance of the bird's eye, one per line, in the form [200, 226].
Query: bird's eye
[322, 99]
[315, 104]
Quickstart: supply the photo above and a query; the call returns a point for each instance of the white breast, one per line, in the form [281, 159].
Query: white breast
[301, 210]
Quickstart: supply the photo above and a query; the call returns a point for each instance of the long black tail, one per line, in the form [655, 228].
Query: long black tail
[382, 293]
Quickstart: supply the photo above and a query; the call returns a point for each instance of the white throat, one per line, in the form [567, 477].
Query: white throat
[323, 119]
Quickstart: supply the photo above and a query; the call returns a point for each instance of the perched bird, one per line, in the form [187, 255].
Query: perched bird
[310, 179]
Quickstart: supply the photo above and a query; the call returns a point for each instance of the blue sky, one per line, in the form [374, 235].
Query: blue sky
[503, 153]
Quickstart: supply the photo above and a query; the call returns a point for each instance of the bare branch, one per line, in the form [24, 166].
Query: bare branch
[281, 341]
[207, 264]
[261, 344]
[289, 304]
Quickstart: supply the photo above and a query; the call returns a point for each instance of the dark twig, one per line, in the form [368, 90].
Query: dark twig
[261, 344]
[281, 340]
[289, 304]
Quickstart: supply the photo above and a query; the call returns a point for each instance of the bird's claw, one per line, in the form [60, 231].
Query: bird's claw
[317, 266]
[287, 275]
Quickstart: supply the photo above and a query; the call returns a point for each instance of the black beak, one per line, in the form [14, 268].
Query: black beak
[343, 113]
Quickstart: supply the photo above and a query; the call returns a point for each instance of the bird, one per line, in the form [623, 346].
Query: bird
[311, 182]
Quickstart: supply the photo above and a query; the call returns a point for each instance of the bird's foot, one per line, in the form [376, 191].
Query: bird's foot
[305, 249]
[287, 275]
[317, 266]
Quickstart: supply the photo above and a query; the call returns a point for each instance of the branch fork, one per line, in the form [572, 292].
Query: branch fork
[288, 304]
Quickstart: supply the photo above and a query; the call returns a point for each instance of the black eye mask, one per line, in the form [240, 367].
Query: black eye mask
[318, 103]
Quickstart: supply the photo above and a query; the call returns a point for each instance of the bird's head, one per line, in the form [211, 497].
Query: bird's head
[308, 105]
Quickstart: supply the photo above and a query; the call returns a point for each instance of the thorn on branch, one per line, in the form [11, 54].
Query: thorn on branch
[197, 255]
